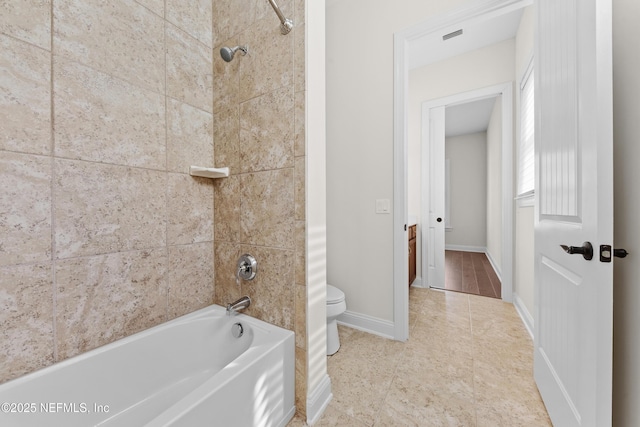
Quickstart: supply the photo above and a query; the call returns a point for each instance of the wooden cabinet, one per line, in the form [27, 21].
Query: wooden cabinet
[412, 254]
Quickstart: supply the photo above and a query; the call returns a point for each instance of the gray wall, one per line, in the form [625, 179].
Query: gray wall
[626, 289]
[467, 155]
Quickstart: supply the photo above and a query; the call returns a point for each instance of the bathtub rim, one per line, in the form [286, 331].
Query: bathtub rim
[276, 333]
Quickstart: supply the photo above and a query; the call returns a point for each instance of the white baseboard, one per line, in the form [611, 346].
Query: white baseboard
[288, 417]
[466, 248]
[418, 283]
[494, 265]
[526, 317]
[318, 400]
[372, 325]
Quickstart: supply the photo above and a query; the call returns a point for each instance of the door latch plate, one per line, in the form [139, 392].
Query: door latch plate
[605, 253]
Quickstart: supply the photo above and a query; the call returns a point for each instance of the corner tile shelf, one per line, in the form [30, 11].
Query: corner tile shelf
[209, 172]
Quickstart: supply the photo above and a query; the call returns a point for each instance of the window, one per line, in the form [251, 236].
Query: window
[526, 163]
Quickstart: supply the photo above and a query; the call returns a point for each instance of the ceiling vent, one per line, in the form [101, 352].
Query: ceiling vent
[452, 35]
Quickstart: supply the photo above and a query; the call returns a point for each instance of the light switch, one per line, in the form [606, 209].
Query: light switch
[383, 206]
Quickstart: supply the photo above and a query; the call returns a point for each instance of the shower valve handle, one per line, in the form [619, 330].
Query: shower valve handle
[247, 267]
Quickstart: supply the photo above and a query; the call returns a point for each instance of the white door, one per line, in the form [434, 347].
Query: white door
[433, 247]
[574, 204]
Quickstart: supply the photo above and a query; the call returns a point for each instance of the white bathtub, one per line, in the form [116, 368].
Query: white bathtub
[187, 372]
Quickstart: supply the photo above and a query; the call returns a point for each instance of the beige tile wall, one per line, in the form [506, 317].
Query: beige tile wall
[259, 107]
[104, 107]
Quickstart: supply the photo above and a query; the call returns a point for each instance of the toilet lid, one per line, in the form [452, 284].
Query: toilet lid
[334, 295]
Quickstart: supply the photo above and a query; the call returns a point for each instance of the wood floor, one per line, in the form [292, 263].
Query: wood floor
[472, 273]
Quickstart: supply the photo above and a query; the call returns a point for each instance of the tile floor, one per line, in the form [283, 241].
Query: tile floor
[468, 362]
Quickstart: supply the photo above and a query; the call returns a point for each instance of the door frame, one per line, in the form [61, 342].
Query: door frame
[401, 41]
[507, 201]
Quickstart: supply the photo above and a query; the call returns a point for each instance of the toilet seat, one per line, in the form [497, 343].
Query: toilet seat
[334, 295]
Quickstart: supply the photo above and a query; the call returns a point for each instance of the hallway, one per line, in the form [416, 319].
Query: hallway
[468, 362]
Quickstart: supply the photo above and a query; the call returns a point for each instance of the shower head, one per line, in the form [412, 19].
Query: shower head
[227, 53]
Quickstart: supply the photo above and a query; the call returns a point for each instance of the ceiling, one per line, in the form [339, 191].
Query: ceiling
[470, 117]
[474, 116]
[477, 33]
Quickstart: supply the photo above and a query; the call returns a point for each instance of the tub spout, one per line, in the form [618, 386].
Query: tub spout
[238, 305]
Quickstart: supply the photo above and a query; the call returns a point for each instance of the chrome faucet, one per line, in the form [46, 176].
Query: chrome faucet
[238, 305]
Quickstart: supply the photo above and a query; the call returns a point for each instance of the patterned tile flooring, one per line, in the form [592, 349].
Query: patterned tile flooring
[468, 362]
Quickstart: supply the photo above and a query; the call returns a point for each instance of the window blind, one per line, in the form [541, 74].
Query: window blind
[526, 161]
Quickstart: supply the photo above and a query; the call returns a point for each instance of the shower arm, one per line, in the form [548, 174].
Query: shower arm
[285, 24]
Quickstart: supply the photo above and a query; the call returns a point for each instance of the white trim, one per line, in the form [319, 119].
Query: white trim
[372, 325]
[287, 418]
[417, 283]
[524, 314]
[525, 200]
[318, 400]
[505, 273]
[464, 97]
[466, 248]
[447, 195]
[316, 204]
[527, 70]
[526, 195]
[401, 39]
[494, 266]
[400, 219]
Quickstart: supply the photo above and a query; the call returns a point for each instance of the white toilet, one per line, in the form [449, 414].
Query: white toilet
[335, 307]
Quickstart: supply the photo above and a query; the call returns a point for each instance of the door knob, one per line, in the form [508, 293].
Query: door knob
[586, 250]
[439, 219]
[620, 253]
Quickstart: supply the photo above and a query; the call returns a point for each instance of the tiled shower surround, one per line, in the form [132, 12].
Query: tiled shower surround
[259, 109]
[104, 106]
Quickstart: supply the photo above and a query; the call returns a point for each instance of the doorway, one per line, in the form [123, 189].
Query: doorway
[410, 49]
[497, 208]
[472, 193]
